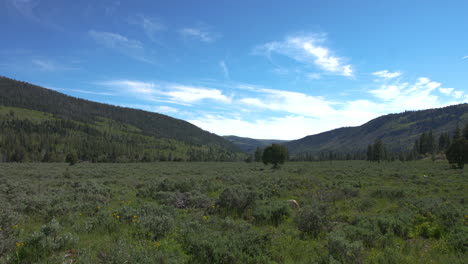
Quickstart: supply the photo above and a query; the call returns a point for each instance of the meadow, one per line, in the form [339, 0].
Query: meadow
[233, 212]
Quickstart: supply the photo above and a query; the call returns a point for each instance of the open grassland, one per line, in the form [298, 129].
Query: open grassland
[351, 212]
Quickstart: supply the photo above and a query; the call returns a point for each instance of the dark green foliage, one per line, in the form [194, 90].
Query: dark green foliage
[275, 154]
[457, 153]
[229, 243]
[236, 199]
[258, 154]
[344, 250]
[444, 141]
[71, 158]
[273, 213]
[312, 220]
[377, 152]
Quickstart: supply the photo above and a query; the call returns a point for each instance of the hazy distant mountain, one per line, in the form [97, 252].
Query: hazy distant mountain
[250, 144]
[35, 119]
[398, 131]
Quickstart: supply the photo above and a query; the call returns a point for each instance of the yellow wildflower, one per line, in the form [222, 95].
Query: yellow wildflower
[205, 218]
[156, 244]
[19, 244]
[117, 216]
[15, 226]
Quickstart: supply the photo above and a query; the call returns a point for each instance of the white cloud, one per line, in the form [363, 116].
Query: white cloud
[398, 97]
[190, 94]
[202, 33]
[167, 92]
[386, 74]
[466, 57]
[446, 91]
[458, 94]
[121, 44]
[290, 102]
[166, 109]
[225, 69]
[307, 49]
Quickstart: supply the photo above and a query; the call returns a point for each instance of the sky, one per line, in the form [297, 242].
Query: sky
[259, 69]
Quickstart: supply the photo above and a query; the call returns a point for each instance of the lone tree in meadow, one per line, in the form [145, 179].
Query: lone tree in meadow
[71, 159]
[275, 154]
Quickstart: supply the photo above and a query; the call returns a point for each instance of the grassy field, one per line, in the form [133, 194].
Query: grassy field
[351, 212]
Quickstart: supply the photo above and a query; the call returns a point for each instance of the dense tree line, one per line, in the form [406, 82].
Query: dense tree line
[35, 136]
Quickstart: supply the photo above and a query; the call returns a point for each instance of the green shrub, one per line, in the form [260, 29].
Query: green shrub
[236, 199]
[271, 212]
[312, 220]
[46, 241]
[343, 250]
[386, 192]
[230, 243]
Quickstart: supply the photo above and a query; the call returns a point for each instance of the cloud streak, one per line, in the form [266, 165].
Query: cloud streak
[307, 49]
[385, 74]
[120, 44]
[168, 92]
[225, 69]
[150, 26]
[50, 66]
[201, 33]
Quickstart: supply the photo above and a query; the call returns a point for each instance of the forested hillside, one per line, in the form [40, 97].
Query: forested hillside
[39, 124]
[397, 131]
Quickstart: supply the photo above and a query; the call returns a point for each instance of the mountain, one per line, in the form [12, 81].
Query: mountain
[38, 121]
[397, 131]
[249, 145]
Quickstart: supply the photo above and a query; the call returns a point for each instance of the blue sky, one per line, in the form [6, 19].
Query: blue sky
[260, 69]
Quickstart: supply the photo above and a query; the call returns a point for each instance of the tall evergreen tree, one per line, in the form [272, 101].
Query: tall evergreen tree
[258, 154]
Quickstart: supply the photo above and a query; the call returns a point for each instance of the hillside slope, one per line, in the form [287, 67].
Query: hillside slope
[398, 131]
[42, 116]
[249, 145]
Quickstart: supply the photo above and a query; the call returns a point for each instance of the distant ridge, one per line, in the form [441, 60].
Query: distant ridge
[397, 131]
[250, 144]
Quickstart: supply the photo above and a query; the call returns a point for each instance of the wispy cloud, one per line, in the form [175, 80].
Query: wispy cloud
[225, 69]
[385, 74]
[466, 57]
[314, 76]
[168, 92]
[309, 50]
[150, 26]
[50, 66]
[120, 44]
[82, 91]
[203, 33]
[290, 102]
[24, 7]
